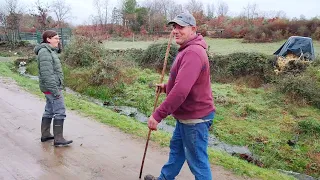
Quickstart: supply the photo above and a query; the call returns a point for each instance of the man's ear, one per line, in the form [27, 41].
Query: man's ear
[194, 28]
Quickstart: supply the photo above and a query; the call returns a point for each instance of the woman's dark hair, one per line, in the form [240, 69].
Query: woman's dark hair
[48, 34]
[59, 48]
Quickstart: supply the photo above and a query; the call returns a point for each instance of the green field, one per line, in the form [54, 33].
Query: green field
[259, 118]
[262, 119]
[128, 44]
[144, 97]
[217, 46]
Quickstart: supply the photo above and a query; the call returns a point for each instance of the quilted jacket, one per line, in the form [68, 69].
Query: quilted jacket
[50, 70]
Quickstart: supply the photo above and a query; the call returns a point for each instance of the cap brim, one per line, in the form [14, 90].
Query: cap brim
[181, 23]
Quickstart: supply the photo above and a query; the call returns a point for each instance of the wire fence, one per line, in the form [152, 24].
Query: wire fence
[36, 37]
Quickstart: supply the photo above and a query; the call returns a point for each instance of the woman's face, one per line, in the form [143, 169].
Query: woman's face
[54, 41]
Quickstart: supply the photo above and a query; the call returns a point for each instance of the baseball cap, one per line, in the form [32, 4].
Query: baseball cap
[184, 19]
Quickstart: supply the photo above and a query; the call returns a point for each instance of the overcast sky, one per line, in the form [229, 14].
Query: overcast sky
[83, 9]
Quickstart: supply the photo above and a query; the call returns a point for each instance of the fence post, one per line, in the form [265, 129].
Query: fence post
[38, 36]
[62, 41]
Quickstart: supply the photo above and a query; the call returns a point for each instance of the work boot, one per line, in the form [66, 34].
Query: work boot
[150, 177]
[45, 129]
[58, 133]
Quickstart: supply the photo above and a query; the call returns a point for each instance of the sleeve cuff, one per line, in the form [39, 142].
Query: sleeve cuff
[157, 116]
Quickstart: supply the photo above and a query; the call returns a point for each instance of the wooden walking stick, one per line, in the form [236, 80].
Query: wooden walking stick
[157, 97]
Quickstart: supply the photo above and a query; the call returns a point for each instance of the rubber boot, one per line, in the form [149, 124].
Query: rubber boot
[45, 129]
[58, 133]
[150, 177]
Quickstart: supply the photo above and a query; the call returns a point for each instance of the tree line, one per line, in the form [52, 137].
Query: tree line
[151, 16]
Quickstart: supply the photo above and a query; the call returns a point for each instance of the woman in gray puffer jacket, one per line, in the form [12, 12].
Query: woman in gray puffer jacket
[51, 84]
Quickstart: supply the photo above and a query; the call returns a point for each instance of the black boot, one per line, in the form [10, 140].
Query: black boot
[58, 133]
[45, 129]
[150, 177]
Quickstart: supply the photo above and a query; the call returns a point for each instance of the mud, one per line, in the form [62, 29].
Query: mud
[98, 151]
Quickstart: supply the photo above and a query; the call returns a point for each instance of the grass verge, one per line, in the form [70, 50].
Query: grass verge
[131, 126]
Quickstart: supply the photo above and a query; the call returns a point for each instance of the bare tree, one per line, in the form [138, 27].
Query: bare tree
[155, 13]
[281, 14]
[275, 14]
[41, 14]
[169, 8]
[102, 11]
[251, 11]
[194, 6]
[210, 10]
[10, 16]
[222, 8]
[116, 16]
[174, 10]
[3, 24]
[62, 10]
[159, 12]
[2, 18]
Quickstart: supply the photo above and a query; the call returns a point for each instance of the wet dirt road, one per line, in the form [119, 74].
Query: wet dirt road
[98, 151]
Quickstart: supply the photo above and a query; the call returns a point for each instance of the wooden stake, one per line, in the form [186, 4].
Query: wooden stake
[157, 97]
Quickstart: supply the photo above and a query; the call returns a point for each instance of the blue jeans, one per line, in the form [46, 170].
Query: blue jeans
[189, 142]
[55, 107]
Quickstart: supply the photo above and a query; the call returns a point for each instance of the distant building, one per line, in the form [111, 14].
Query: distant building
[215, 33]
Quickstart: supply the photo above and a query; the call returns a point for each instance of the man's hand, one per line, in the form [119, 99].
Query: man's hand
[160, 88]
[152, 123]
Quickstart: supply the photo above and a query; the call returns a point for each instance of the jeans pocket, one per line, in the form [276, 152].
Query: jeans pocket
[50, 98]
[196, 142]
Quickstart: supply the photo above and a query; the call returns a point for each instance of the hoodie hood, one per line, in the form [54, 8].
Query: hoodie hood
[196, 40]
[42, 45]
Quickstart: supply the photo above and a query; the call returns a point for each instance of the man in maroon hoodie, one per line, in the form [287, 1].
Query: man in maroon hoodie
[189, 100]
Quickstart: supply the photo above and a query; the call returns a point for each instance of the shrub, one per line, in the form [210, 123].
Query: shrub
[258, 34]
[106, 74]
[237, 65]
[32, 67]
[154, 55]
[304, 31]
[23, 43]
[26, 60]
[310, 126]
[263, 34]
[316, 62]
[248, 64]
[277, 35]
[128, 54]
[219, 67]
[316, 34]
[304, 85]
[82, 51]
[111, 72]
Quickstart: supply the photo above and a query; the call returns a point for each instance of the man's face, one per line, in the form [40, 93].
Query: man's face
[183, 33]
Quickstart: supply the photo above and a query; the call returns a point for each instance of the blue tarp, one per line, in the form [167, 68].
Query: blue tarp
[297, 45]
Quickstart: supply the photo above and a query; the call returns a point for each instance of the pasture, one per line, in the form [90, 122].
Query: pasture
[217, 46]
